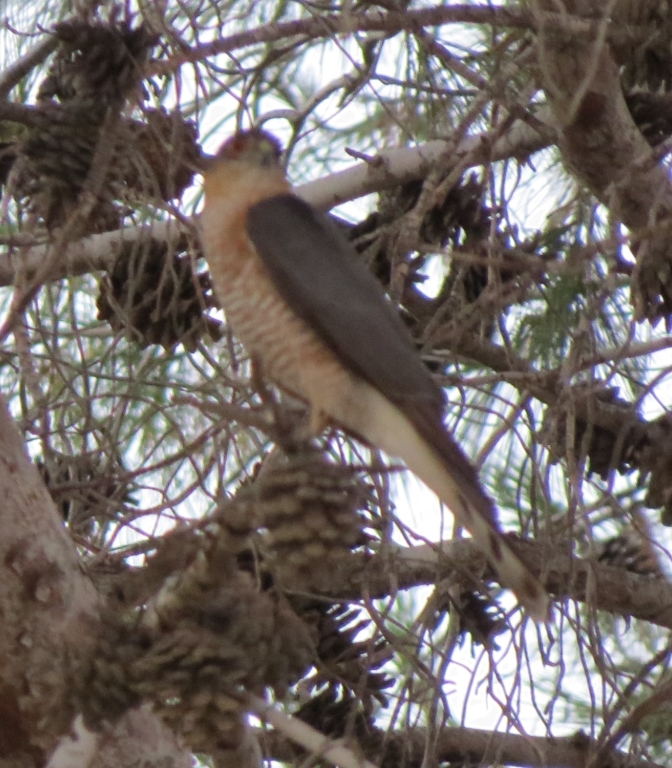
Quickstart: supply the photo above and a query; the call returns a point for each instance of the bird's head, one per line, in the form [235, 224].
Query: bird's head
[255, 147]
[249, 160]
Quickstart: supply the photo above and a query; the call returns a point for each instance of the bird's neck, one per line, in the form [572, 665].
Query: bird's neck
[244, 183]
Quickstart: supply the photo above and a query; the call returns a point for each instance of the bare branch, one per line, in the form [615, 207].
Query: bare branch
[391, 22]
[14, 112]
[366, 576]
[391, 167]
[605, 149]
[13, 75]
[347, 23]
[90, 254]
[398, 166]
[475, 747]
[301, 733]
[605, 588]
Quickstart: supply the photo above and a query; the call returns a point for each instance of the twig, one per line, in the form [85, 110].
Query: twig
[14, 112]
[630, 723]
[19, 69]
[305, 735]
[391, 22]
[475, 747]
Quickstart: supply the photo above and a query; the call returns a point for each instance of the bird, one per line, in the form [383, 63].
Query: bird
[323, 330]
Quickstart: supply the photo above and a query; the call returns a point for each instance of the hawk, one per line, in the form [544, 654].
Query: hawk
[318, 321]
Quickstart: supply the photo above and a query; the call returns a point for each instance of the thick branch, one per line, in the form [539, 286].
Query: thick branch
[48, 610]
[329, 25]
[15, 112]
[45, 598]
[391, 22]
[604, 588]
[366, 576]
[391, 167]
[471, 746]
[604, 148]
[599, 139]
[90, 254]
[13, 75]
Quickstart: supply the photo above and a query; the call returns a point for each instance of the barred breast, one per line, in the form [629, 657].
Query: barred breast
[290, 352]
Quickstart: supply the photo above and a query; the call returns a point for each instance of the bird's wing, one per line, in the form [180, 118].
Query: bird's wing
[317, 272]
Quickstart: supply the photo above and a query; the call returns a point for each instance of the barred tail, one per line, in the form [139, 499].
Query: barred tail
[448, 473]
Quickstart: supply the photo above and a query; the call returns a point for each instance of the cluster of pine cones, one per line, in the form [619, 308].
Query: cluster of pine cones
[95, 73]
[154, 296]
[223, 622]
[84, 163]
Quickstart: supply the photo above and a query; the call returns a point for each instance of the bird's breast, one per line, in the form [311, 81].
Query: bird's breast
[290, 352]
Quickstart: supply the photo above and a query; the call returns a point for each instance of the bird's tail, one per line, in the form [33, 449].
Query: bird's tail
[456, 484]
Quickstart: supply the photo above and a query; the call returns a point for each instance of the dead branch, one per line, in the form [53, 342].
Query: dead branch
[470, 746]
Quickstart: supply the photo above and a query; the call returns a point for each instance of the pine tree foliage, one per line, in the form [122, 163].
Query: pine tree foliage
[503, 170]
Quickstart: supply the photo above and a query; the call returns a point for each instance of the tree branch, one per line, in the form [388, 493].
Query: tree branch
[606, 151]
[301, 733]
[48, 610]
[329, 25]
[393, 22]
[45, 598]
[380, 575]
[470, 746]
[14, 112]
[90, 254]
[604, 588]
[13, 75]
[390, 168]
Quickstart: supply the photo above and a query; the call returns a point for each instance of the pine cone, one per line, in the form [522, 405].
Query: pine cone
[54, 163]
[218, 626]
[96, 68]
[647, 63]
[461, 215]
[164, 154]
[103, 691]
[343, 660]
[601, 454]
[97, 61]
[236, 637]
[336, 713]
[155, 159]
[310, 509]
[479, 616]
[156, 298]
[651, 453]
[652, 112]
[460, 219]
[192, 653]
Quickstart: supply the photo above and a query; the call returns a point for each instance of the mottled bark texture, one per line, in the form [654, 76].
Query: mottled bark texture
[49, 611]
[601, 143]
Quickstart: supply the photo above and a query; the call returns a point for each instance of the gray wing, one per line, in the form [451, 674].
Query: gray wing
[317, 272]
